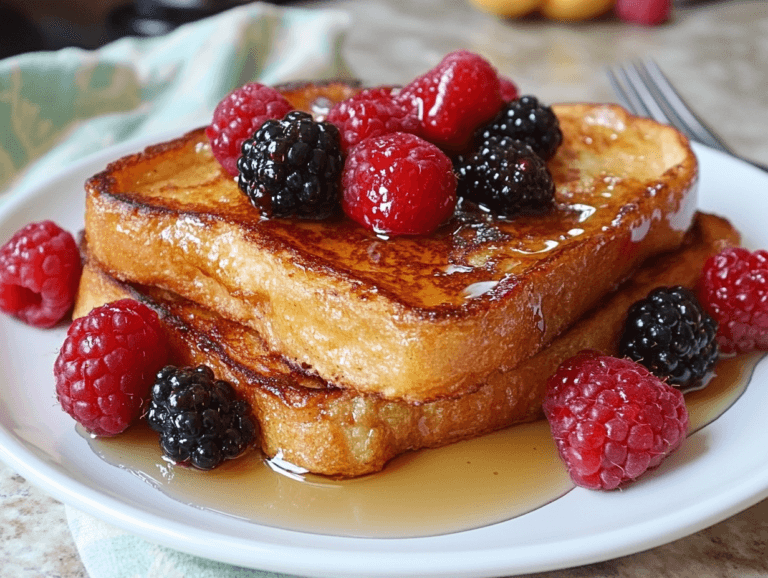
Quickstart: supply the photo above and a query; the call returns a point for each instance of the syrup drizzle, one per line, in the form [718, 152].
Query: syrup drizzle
[462, 486]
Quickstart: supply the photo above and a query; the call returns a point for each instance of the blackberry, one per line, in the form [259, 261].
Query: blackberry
[670, 333]
[200, 419]
[528, 120]
[292, 167]
[506, 177]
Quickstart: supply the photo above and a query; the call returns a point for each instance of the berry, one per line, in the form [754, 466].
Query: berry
[238, 116]
[39, 273]
[292, 167]
[398, 184]
[106, 366]
[670, 333]
[505, 177]
[200, 419]
[528, 120]
[734, 289]
[508, 89]
[647, 12]
[612, 420]
[372, 112]
[454, 98]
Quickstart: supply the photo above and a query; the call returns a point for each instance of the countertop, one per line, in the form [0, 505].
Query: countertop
[717, 52]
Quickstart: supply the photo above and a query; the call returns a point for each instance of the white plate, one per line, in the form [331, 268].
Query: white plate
[721, 470]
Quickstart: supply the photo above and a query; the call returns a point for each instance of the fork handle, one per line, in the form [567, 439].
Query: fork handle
[755, 164]
[724, 148]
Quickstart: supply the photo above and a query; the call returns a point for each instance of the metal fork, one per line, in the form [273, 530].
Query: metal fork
[645, 90]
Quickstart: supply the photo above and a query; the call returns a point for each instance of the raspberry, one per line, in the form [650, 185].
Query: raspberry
[238, 116]
[106, 366]
[39, 273]
[734, 289]
[528, 120]
[612, 420]
[398, 184]
[508, 89]
[372, 112]
[670, 333]
[200, 420]
[292, 167]
[648, 12]
[454, 98]
[505, 177]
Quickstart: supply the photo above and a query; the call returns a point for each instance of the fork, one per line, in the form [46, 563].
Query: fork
[644, 89]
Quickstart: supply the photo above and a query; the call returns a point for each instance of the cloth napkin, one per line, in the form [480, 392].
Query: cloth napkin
[108, 552]
[58, 107]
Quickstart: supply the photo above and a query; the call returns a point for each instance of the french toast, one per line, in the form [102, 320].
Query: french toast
[334, 431]
[410, 318]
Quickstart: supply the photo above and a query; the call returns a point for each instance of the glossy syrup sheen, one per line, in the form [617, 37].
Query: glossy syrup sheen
[465, 485]
[609, 174]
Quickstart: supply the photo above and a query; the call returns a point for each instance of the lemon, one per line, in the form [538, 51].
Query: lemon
[508, 8]
[574, 9]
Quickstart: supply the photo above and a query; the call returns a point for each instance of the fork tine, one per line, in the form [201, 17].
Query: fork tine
[625, 99]
[642, 100]
[668, 97]
[645, 91]
[642, 88]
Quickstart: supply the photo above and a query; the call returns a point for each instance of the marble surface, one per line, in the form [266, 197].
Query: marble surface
[718, 54]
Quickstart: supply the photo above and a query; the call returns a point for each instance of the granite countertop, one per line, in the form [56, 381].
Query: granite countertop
[718, 54]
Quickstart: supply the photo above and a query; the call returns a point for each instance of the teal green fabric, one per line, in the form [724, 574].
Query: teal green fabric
[58, 107]
[108, 552]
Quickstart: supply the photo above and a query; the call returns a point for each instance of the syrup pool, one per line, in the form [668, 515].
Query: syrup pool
[465, 485]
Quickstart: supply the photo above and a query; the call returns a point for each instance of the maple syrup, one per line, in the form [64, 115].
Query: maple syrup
[465, 485]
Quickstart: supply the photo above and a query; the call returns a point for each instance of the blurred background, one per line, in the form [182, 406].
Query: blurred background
[28, 25]
[716, 50]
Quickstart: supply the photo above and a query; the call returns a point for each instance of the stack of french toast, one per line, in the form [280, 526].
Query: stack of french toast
[353, 348]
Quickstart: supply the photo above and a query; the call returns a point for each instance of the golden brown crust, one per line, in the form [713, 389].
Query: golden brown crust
[414, 318]
[338, 432]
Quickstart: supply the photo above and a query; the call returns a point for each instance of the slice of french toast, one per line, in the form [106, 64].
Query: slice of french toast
[335, 431]
[413, 318]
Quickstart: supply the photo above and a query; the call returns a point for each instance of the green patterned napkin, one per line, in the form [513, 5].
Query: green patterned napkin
[59, 107]
[108, 552]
